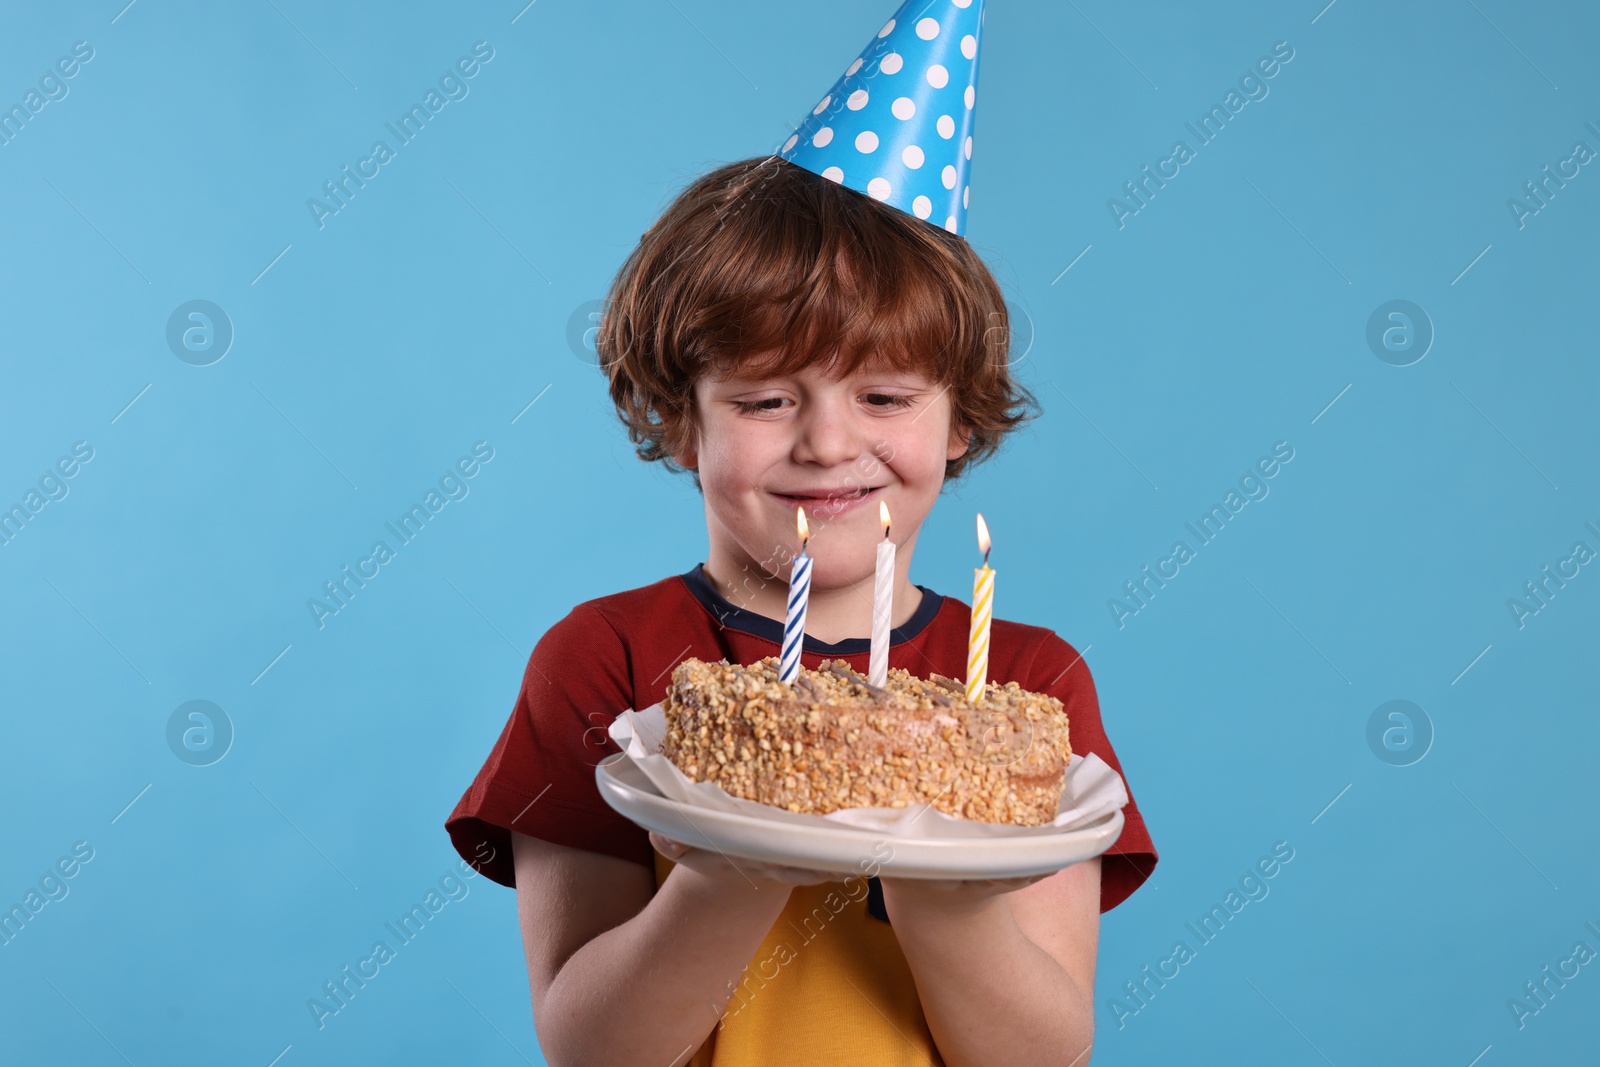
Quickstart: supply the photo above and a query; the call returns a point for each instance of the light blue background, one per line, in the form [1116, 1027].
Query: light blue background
[426, 315]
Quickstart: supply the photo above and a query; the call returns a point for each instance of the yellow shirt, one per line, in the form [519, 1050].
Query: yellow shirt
[829, 985]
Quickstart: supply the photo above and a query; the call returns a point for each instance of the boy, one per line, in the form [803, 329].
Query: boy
[794, 339]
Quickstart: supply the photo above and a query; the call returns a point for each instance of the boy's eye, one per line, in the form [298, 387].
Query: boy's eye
[747, 407]
[888, 400]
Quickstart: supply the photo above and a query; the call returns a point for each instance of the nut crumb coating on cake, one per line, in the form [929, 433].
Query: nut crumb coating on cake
[834, 741]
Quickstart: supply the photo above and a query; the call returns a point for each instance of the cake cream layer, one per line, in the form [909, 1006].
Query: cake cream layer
[833, 741]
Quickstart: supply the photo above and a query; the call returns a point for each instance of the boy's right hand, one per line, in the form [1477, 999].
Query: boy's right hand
[738, 872]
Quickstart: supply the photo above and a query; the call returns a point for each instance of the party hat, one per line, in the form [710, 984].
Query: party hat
[897, 125]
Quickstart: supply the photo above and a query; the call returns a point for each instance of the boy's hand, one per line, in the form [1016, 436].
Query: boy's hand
[736, 873]
[950, 896]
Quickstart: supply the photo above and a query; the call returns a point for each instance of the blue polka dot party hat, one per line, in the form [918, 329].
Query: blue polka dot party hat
[897, 125]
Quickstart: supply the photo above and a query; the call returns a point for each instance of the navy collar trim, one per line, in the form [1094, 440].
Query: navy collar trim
[757, 625]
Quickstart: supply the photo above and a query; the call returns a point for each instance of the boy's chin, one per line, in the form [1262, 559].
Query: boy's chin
[829, 571]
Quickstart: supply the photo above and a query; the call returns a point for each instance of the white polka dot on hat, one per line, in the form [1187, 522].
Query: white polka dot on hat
[897, 125]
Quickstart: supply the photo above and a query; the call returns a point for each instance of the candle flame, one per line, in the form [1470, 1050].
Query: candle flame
[883, 516]
[801, 527]
[983, 536]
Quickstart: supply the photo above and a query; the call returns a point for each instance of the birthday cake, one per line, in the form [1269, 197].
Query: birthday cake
[832, 740]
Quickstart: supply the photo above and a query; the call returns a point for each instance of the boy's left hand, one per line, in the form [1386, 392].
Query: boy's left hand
[950, 896]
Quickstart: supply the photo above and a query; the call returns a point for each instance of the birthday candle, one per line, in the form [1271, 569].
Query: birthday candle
[982, 611]
[794, 619]
[882, 604]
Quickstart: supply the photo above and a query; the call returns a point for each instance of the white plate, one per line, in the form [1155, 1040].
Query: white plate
[845, 849]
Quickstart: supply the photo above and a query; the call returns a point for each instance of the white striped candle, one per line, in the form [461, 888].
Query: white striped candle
[982, 612]
[794, 618]
[882, 605]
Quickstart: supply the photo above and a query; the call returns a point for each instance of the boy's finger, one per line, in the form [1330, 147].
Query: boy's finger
[667, 846]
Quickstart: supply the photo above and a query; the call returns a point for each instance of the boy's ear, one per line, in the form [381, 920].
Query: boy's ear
[687, 454]
[960, 437]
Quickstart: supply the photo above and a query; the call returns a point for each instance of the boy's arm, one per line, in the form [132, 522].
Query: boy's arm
[620, 977]
[1008, 979]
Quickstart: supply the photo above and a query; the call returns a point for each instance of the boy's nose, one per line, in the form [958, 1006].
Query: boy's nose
[826, 437]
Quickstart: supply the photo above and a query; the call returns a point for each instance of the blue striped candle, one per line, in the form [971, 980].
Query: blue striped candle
[794, 619]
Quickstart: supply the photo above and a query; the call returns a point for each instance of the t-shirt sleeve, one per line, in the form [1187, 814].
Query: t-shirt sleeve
[539, 778]
[1061, 672]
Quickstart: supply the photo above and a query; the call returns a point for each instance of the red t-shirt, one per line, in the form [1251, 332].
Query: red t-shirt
[618, 652]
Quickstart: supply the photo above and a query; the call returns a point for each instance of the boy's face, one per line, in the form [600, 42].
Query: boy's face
[834, 446]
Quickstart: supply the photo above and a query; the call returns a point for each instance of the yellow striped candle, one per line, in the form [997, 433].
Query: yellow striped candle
[982, 612]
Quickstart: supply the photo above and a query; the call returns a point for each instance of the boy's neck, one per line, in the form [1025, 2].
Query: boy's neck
[832, 615]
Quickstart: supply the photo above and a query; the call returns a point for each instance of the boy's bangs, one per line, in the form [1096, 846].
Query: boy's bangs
[854, 301]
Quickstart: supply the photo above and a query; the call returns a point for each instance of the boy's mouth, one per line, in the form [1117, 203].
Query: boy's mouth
[831, 499]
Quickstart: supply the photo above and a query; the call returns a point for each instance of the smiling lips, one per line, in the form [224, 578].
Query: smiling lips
[834, 500]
